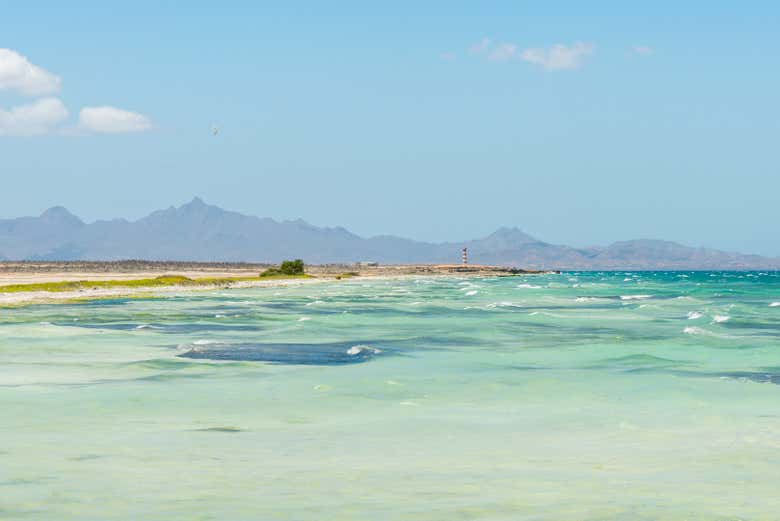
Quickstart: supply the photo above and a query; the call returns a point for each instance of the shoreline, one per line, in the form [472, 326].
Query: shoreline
[151, 279]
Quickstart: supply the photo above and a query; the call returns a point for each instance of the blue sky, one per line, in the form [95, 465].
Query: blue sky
[580, 124]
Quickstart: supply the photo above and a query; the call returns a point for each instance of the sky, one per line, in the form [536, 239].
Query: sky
[581, 123]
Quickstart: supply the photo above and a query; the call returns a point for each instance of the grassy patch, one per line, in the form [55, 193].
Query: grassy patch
[158, 282]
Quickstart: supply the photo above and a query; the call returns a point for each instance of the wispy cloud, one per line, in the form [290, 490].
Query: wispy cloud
[503, 52]
[643, 50]
[480, 47]
[19, 75]
[556, 57]
[33, 119]
[47, 114]
[111, 120]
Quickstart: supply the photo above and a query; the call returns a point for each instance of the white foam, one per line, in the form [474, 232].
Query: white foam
[470, 293]
[528, 286]
[143, 326]
[693, 315]
[774, 305]
[692, 330]
[304, 319]
[203, 342]
[587, 299]
[356, 350]
[721, 318]
[635, 297]
[219, 315]
[315, 302]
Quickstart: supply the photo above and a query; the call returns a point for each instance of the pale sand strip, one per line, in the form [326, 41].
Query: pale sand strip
[53, 297]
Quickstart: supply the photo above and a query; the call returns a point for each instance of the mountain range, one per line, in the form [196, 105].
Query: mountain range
[197, 231]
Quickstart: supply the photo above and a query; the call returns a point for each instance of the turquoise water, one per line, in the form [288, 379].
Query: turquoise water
[579, 396]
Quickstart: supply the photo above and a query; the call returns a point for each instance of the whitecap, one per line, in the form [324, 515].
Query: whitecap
[356, 350]
[528, 286]
[692, 330]
[471, 293]
[143, 326]
[693, 315]
[587, 299]
[774, 305]
[635, 297]
[720, 318]
[304, 319]
[219, 315]
[203, 342]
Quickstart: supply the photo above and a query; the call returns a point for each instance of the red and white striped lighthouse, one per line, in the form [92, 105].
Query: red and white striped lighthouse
[465, 256]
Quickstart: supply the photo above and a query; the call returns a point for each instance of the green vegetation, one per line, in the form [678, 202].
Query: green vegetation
[287, 268]
[163, 281]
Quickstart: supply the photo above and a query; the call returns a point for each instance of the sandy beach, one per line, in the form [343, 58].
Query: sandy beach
[14, 273]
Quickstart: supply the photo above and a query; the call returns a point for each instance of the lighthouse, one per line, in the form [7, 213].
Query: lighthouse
[465, 256]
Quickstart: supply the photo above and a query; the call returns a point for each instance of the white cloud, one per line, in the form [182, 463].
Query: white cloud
[19, 75]
[503, 52]
[480, 47]
[36, 118]
[644, 50]
[111, 120]
[558, 56]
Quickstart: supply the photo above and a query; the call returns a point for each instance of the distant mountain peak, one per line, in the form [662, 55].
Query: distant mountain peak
[199, 206]
[506, 238]
[196, 202]
[60, 215]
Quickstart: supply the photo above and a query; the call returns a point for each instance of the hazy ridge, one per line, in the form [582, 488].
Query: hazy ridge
[198, 231]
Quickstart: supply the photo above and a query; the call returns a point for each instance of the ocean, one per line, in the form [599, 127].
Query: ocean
[573, 396]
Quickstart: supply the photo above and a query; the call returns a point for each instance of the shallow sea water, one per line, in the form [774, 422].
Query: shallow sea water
[579, 396]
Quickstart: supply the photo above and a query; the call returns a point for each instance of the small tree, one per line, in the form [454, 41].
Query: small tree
[294, 267]
[288, 267]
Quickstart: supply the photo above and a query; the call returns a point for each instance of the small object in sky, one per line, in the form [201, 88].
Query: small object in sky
[215, 130]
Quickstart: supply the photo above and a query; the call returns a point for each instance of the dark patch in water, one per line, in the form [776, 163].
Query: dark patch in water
[166, 328]
[640, 361]
[219, 429]
[334, 353]
[764, 377]
[86, 457]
